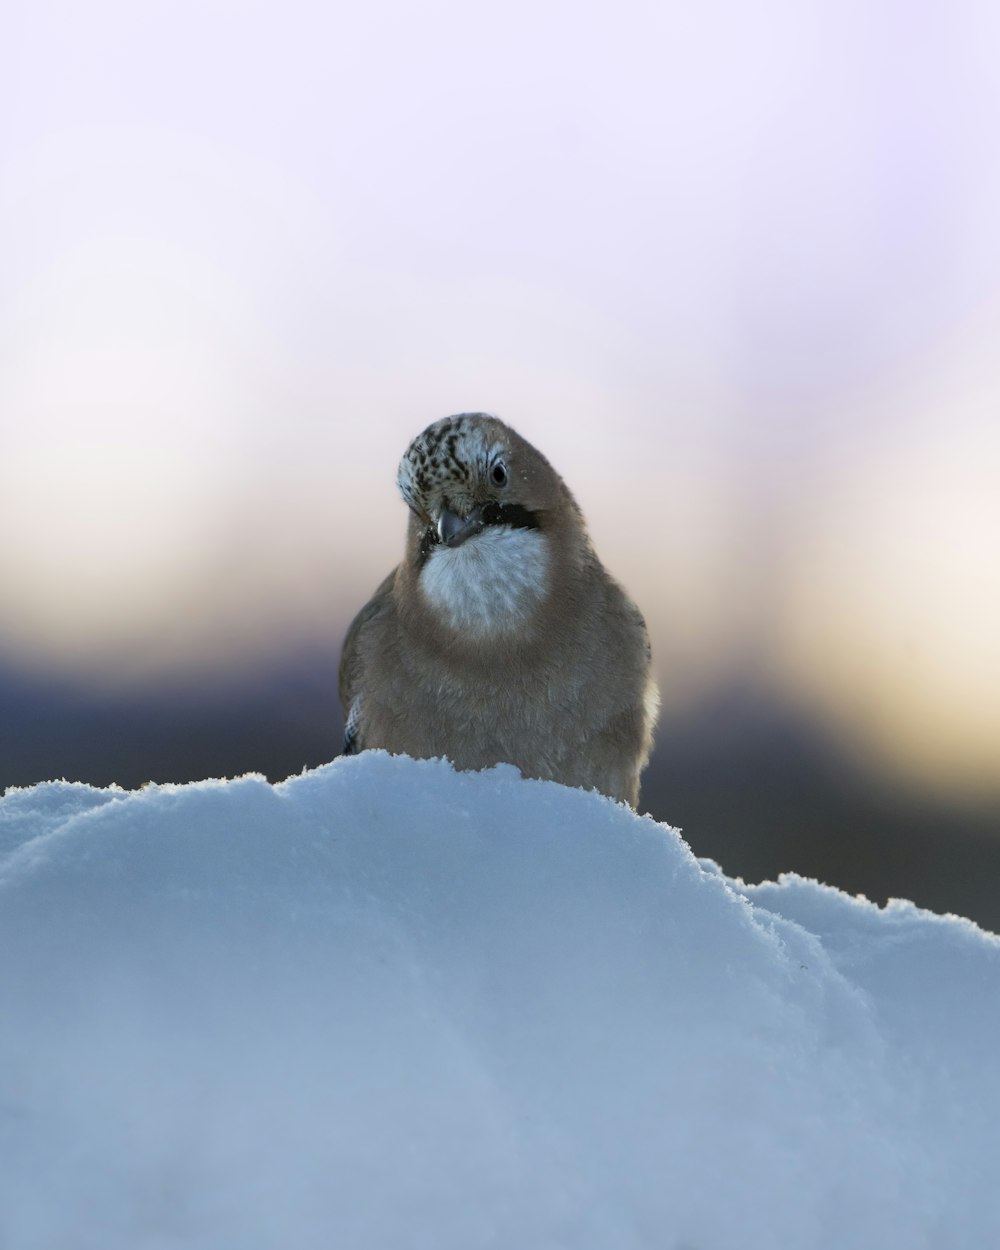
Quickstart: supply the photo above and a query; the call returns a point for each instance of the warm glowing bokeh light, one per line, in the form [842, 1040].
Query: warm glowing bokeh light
[893, 613]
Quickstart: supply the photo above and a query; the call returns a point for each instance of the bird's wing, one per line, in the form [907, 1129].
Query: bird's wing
[351, 673]
[352, 728]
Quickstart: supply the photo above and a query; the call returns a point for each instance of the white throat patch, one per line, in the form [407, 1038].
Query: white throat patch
[491, 582]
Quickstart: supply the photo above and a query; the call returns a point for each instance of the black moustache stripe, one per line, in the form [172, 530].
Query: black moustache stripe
[512, 514]
[428, 539]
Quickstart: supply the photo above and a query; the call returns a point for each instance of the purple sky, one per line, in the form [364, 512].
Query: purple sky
[735, 269]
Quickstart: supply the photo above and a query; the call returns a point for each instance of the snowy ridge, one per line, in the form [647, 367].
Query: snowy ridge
[385, 1005]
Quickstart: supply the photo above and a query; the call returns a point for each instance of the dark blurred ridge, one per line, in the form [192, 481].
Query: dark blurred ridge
[752, 785]
[762, 791]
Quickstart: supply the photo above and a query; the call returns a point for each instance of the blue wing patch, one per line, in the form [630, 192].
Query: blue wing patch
[352, 730]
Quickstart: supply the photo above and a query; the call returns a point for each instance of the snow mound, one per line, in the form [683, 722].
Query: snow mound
[386, 1005]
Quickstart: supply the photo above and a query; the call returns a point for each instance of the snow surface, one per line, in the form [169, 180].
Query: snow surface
[385, 1005]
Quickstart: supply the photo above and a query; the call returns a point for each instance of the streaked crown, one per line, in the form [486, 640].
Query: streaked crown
[455, 459]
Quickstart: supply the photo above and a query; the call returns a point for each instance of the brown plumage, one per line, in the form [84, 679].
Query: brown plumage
[500, 637]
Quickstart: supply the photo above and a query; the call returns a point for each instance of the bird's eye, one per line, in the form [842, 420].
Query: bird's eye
[499, 474]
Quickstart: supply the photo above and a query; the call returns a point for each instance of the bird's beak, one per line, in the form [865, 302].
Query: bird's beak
[453, 530]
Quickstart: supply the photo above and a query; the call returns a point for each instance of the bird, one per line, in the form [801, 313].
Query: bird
[500, 637]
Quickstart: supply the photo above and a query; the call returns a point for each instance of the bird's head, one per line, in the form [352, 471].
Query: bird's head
[491, 526]
[469, 473]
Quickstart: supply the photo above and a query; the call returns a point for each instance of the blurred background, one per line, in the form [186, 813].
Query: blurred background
[735, 269]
